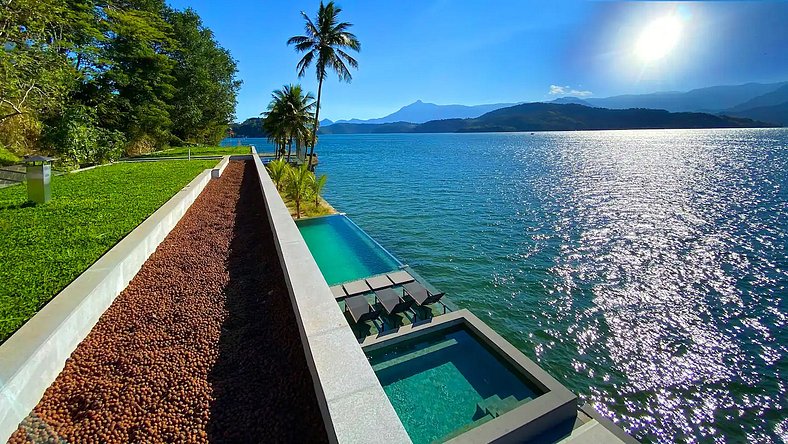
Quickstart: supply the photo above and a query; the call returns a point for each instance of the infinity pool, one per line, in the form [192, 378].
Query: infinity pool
[444, 383]
[343, 251]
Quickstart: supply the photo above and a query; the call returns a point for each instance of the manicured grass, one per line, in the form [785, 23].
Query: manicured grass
[201, 151]
[45, 247]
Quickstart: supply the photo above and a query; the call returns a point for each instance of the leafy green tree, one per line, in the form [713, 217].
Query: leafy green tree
[298, 185]
[204, 77]
[139, 79]
[36, 71]
[317, 187]
[148, 74]
[78, 140]
[325, 43]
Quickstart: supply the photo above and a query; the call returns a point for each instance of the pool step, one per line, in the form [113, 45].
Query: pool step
[476, 423]
[414, 354]
[495, 406]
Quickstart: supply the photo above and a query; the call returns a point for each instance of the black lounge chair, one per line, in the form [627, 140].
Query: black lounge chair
[420, 294]
[392, 302]
[360, 310]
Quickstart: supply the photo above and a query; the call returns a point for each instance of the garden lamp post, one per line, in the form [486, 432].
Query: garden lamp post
[39, 174]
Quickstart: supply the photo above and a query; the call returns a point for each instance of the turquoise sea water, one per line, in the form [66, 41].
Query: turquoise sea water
[645, 270]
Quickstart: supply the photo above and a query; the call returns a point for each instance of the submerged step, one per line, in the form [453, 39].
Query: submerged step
[414, 354]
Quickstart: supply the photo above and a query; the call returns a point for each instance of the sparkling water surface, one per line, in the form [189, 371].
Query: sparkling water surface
[645, 270]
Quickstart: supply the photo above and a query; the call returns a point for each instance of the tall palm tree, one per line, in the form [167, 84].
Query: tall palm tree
[325, 42]
[288, 116]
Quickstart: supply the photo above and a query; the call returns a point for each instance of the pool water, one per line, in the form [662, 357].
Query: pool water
[342, 251]
[444, 383]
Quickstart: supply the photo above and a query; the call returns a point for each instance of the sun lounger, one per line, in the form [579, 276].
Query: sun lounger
[392, 302]
[420, 294]
[360, 310]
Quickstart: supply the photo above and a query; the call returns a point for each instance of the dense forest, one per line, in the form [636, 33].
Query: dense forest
[554, 117]
[89, 80]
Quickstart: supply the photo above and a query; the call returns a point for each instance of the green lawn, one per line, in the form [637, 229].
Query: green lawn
[45, 247]
[201, 151]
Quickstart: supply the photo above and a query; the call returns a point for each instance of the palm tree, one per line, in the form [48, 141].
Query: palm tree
[288, 116]
[278, 171]
[274, 124]
[317, 186]
[298, 186]
[324, 43]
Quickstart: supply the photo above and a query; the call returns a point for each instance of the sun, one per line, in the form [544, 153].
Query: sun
[658, 39]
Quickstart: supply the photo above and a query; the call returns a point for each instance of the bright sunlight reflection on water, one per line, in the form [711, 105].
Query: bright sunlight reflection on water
[646, 270]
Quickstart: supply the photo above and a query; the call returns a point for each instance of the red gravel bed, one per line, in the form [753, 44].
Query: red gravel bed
[202, 346]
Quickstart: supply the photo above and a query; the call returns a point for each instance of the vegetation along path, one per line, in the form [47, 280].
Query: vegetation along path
[201, 346]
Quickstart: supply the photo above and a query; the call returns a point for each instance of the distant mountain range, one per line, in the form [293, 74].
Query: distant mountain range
[715, 99]
[420, 112]
[734, 100]
[721, 106]
[553, 117]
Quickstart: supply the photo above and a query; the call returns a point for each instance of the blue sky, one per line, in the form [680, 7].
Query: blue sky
[474, 52]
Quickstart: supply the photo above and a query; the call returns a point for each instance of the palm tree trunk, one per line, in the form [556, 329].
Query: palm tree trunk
[289, 150]
[317, 121]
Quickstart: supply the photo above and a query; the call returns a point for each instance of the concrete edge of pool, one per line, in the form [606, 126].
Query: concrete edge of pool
[341, 374]
[555, 406]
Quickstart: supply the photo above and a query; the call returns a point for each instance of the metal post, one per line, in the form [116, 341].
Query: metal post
[39, 176]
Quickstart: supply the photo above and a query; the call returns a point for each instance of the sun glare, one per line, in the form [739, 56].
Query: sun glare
[658, 39]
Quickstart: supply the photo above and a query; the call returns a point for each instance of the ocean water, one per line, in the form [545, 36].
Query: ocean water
[645, 270]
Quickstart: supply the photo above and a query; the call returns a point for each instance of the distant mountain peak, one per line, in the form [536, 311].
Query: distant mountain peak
[420, 112]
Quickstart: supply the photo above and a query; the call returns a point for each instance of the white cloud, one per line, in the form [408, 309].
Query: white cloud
[558, 90]
[555, 89]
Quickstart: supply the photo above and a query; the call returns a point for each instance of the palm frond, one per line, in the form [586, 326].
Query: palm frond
[299, 39]
[350, 60]
[304, 63]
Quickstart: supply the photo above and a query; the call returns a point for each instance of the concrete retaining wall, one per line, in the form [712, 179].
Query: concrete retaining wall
[354, 406]
[219, 169]
[32, 358]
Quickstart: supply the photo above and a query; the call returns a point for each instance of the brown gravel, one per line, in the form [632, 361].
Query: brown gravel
[201, 347]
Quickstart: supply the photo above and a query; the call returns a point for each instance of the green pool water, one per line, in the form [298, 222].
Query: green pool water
[447, 382]
[342, 251]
